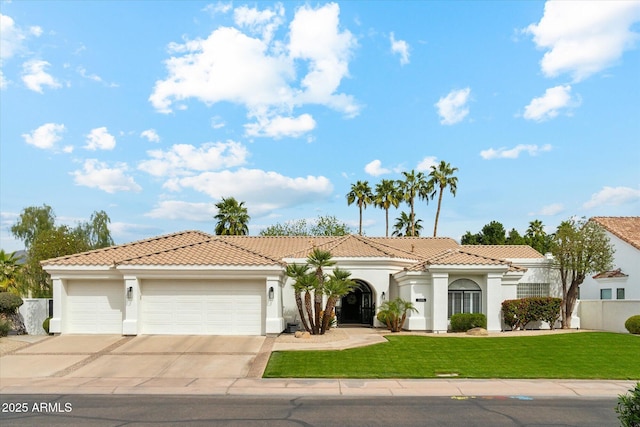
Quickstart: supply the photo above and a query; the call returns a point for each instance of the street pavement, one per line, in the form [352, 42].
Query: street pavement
[231, 366]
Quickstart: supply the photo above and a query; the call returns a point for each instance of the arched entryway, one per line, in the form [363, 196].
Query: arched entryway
[465, 296]
[357, 307]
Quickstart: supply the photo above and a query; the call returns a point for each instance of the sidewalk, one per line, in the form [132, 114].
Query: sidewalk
[195, 381]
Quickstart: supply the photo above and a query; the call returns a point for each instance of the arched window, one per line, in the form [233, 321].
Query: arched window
[465, 296]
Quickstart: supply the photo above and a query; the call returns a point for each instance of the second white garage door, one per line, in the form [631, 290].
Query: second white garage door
[202, 307]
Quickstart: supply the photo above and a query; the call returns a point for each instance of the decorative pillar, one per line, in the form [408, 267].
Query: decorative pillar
[131, 305]
[274, 323]
[493, 300]
[59, 299]
[440, 301]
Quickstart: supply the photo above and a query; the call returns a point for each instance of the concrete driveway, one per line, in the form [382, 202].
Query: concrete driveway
[141, 358]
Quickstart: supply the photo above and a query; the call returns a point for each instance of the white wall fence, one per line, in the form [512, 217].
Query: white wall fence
[34, 311]
[607, 315]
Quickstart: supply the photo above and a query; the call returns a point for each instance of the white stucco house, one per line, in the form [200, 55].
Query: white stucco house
[623, 281]
[199, 284]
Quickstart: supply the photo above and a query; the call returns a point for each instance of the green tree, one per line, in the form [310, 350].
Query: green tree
[299, 274]
[290, 228]
[394, 313]
[318, 260]
[361, 195]
[414, 185]
[494, 234]
[440, 178]
[471, 239]
[405, 227]
[386, 195]
[329, 225]
[514, 238]
[580, 247]
[537, 238]
[32, 221]
[10, 269]
[233, 218]
[323, 226]
[335, 287]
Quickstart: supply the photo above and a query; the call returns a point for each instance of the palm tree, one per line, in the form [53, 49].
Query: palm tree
[336, 287]
[361, 194]
[386, 195]
[405, 227]
[9, 272]
[394, 313]
[298, 272]
[319, 259]
[414, 185]
[442, 177]
[232, 217]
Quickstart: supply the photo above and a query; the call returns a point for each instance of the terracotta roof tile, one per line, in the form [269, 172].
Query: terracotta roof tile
[610, 274]
[626, 228]
[503, 251]
[457, 257]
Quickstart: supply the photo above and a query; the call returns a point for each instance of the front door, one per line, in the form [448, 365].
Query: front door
[357, 306]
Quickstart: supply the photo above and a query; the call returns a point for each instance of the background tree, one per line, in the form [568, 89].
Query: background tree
[580, 247]
[360, 194]
[385, 196]
[233, 218]
[404, 227]
[33, 220]
[10, 269]
[297, 227]
[491, 234]
[323, 226]
[440, 178]
[329, 225]
[537, 238]
[414, 185]
[514, 238]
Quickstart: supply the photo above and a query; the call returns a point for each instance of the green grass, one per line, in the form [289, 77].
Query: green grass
[587, 355]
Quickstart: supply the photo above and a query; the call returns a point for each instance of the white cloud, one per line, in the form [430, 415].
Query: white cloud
[400, 47]
[95, 174]
[182, 159]
[278, 127]
[426, 163]
[514, 153]
[175, 209]
[223, 66]
[3, 81]
[549, 105]
[263, 191]
[35, 31]
[94, 77]
[150, 135]
[374, 168]
[100, 139]
[217, 122]
[613, 196]
[453, 108]
[35, 77]
[549, 210]
[583, 38]
[219, 7]
[46, 136]
[11, 37]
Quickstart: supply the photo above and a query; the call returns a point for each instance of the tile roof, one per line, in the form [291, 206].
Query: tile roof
[610, 274]
[626, 228]
[198, 248]
[503, 251]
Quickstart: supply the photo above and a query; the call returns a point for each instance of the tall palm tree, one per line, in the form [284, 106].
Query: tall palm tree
[405, 227]
[360, 194]
[414, 185]
[232, 217]
[441, 177]
[298, 272]
[318, 259]
[386, 195]
[336, 287]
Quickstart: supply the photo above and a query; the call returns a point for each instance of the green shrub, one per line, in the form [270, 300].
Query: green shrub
[462, 322]
[5, 327]
[628, 408]
[9, 303]
[517, 313]
[633, 324]
[45, 324]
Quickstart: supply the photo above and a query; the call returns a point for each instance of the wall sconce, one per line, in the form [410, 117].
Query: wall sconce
[271, 293]
[129, 292]
[383, 296]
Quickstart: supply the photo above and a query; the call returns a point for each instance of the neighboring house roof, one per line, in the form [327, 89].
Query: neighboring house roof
[195, 248]
[610, 274]
[626, 228]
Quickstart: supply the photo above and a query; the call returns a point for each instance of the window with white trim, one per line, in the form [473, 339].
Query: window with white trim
[526, 290]
[465, 296]
[620, 293]
[605, 293]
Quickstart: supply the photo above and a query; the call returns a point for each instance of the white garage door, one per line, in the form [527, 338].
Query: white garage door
[94, 307]
[202, 308]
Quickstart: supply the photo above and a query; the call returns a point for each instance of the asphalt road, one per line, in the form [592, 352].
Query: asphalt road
[147, 410]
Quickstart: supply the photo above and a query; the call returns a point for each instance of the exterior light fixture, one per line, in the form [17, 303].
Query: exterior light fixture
[383, 296]
[129, 292]
[271, 293]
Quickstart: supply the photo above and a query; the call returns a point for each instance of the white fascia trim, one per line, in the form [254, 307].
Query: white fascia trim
[190, 271]
[531, 262]
[83, 272]
[371, 262]
[464, 268]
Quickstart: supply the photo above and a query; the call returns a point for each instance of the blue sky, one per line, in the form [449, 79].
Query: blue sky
[154, 111]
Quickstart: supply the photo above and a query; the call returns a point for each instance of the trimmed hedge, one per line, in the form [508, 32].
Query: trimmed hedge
[9, 303]
[45, 324]
[462, 322]
[5, 327]
[633, 324]
[517, 313]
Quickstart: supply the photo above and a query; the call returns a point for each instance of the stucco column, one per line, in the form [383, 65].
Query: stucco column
[274, 323]
[59, 298]
[131, 305]
[440, 301]
[493, 298]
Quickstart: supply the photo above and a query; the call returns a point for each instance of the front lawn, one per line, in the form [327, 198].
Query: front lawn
[586, 355]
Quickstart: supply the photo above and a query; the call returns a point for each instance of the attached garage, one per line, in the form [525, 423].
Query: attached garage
[94, 307]
[202, 307]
